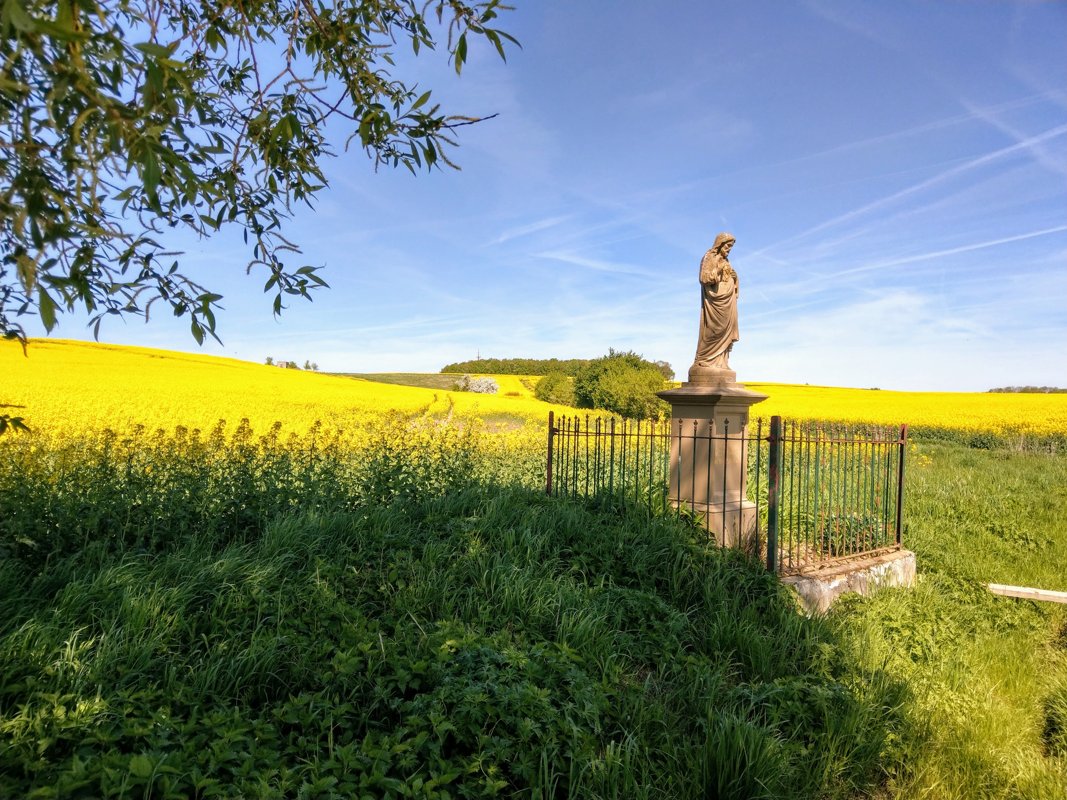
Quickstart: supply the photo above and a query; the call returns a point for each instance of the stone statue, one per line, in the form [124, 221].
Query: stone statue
[718, 310]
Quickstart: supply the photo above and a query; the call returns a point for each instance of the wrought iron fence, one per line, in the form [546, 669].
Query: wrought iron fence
[628, 458]
[678, 466]
[798, 494]
[834, 492]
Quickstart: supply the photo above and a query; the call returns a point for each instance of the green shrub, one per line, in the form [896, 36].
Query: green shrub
[623, 383]
[555, 388]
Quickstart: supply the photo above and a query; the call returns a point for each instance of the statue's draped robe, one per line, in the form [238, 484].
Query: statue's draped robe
[718, 315]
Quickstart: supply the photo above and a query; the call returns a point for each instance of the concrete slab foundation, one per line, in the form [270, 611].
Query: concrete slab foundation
[817, 589]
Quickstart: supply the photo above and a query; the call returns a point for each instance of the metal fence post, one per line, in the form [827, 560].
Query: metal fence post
[900, 481]
[773, 490]
[551, 436]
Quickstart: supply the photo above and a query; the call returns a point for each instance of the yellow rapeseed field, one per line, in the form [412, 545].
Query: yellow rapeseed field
[68, 388]
[75, 387]
[1037, 415]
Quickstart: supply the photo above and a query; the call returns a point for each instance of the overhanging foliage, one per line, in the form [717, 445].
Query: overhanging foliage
[122, 119]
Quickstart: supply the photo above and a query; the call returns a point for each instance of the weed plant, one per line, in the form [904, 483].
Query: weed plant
[146, 490]
[183, 623]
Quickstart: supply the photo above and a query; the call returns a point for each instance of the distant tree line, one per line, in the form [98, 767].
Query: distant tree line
[569, 367]
[518, 366]
[1029, 390]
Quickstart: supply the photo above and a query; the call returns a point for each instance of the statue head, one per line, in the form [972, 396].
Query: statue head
[721, 241]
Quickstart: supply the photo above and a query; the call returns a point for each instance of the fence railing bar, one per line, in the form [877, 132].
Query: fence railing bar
[798, 527]
[867, 537]
[560, 474]
[691, 449]
[574, 459]
[652, 461]
[759, 463]
[637, 461]
[773, 493]
[836, 475]
[597, 455]
[709, 465]
[804, 543]
[868, 478]
[663, 465]
[864, 533]
[900, 483]
[792, 482]
[852, 536]
[562, 443]
[885, 491]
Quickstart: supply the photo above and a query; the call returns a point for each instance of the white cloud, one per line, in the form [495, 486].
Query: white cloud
[902, 340]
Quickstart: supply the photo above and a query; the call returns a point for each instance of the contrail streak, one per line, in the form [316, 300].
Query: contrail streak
[941, 177]
[896, 262]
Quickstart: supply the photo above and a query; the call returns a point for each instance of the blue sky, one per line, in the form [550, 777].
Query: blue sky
[895, 175]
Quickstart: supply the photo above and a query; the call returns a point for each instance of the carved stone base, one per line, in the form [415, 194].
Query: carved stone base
[711, 376]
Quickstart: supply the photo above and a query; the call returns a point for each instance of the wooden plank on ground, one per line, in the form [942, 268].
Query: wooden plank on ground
[1026, 593]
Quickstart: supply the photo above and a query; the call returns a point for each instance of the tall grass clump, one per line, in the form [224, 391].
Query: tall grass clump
[426, 636]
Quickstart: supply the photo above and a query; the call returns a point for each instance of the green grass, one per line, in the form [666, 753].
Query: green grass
[439, 636]
[987, 675]
[217, 615]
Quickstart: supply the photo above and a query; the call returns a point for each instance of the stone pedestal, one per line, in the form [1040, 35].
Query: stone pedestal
[709, 452]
